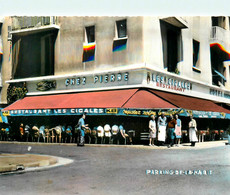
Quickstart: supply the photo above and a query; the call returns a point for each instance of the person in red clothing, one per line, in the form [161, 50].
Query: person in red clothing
[171, 130]
[21, 131]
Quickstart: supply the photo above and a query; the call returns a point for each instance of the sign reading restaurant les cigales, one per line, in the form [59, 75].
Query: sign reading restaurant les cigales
[128, 78]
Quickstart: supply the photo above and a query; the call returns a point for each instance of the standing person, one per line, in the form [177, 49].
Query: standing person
[192, 131]
[121, 135]
[171, 130]
[162, 123]
[178, 129]
[152, 130]
[82, 127]
[21, 131]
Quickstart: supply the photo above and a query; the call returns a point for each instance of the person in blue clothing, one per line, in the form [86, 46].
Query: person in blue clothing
[121, 135]
[82, 127]
[178, 129]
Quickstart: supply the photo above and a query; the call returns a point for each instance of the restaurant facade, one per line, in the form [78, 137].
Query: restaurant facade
[118, 70]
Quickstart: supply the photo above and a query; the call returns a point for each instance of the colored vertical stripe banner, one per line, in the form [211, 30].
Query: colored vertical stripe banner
[119, 45]
[88, 52]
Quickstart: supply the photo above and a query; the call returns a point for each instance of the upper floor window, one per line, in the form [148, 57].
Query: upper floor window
[219, 21]
[90, 34]
[196, 51]
[121, 29]
[172, 46]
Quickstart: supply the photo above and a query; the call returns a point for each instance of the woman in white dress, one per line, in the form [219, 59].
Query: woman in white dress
[192, 131]
[152, 130]
[162, 124]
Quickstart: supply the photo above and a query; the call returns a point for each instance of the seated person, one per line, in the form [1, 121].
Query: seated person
[100, 133]
[115, 130]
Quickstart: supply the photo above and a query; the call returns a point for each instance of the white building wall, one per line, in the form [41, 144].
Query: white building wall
[153, 52]
[7, 59]
[144, 47]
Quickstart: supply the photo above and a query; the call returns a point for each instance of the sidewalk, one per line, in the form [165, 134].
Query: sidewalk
[15, 162]
[208, 144]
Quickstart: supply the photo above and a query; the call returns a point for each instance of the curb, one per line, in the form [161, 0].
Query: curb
[199, 145]
[60, 162]
[21, 165]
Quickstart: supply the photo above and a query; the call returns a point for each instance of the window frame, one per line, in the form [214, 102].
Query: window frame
[196, 66]
[88, 34]
[117, 30]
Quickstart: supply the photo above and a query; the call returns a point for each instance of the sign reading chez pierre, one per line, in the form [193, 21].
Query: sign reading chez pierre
[98, 79]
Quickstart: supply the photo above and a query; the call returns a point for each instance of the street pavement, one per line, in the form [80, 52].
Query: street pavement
[104, 169]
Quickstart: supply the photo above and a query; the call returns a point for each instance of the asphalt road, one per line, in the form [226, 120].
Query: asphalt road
[121, 170]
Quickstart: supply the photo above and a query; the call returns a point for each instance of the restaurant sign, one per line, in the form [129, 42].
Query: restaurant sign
[92, 111]
[204, 114]
[167, 82]
[116, 112]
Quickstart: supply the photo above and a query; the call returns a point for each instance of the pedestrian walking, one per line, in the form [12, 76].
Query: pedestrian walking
[152, 130]
[162, 124]
[171, 130]
[178, 129]
[192, 131]
[82, 127]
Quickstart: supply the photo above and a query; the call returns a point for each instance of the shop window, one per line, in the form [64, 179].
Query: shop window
[121, 29]
[172, 46]
[90, 34]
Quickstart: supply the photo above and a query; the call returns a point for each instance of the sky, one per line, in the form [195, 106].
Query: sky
[114, 7]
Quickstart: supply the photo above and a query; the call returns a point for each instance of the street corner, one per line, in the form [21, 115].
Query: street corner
[18, 163]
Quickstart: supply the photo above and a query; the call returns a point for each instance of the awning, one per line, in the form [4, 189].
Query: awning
[127, 102]
[101, 99]
[147, 99]
[190, 103]
[122, 99]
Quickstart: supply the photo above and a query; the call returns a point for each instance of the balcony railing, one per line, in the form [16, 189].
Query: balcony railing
[25, 22]
[219, 34]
